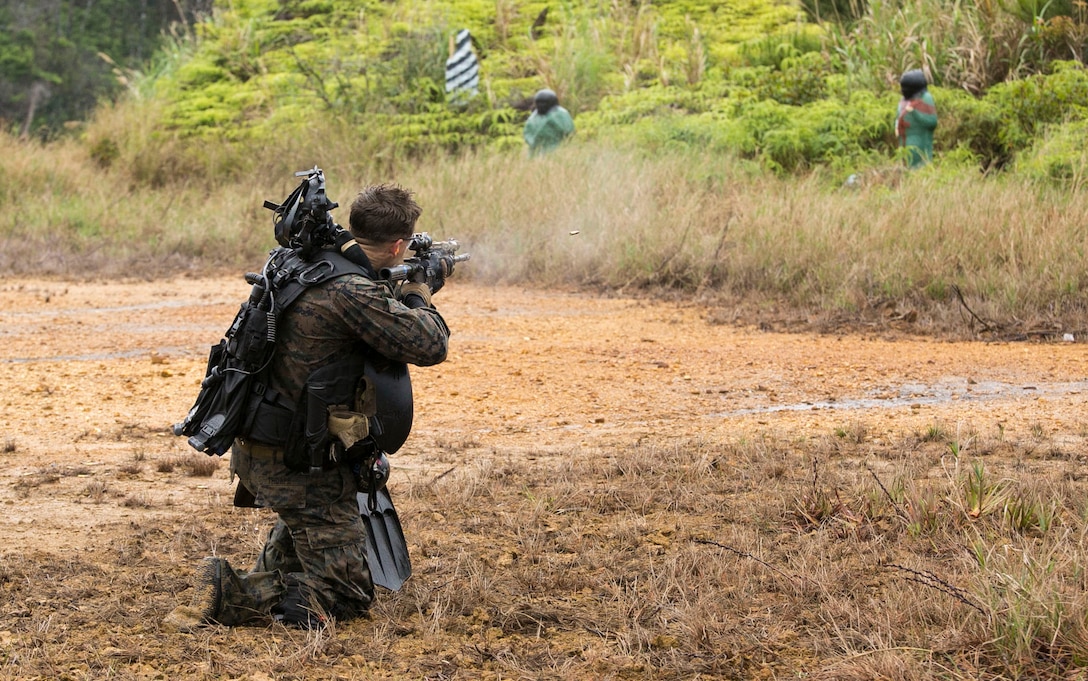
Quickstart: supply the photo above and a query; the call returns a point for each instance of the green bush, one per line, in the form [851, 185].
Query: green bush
[1031, 10]
[772, 50]
[844, 11]
[965, 121]
[1060, 157]
[1012, 116]
[677, 132]
[798, 80]
[198, 74]
[1030, 104]
[745, 78]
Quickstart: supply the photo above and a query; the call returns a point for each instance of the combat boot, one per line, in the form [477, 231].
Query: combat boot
[297, 608]
[207, 600]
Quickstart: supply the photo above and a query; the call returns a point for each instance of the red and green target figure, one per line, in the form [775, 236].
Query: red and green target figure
[917, 118]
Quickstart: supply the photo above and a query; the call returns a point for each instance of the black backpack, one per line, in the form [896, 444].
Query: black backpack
[234, 384]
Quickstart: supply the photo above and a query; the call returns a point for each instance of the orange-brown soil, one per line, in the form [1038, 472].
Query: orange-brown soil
[106, 512]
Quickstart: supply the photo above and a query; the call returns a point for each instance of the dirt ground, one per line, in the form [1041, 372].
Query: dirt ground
[102, 503]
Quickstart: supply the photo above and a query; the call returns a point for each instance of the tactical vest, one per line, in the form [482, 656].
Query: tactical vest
[235, 400]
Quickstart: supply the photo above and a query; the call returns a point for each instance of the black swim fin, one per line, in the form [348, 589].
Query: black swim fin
[386, 548]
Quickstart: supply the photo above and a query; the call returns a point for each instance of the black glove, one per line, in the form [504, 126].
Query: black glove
[439, 267]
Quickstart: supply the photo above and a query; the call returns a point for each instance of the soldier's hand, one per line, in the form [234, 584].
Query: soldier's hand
[415, 294]
[439, 267]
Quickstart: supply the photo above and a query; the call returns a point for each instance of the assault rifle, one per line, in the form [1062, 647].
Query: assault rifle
[432, 263]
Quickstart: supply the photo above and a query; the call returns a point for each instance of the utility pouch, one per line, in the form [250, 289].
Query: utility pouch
[270, 416]
[249, 340]
[329, 389]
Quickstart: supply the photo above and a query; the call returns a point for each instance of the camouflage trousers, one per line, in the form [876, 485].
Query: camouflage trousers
[317, 542]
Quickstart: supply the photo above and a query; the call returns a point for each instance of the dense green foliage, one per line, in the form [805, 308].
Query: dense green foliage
[58, 58]
[262, 65]
[757, 80]
[789, 87]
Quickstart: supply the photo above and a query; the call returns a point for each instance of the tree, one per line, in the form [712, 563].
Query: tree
[51, 70]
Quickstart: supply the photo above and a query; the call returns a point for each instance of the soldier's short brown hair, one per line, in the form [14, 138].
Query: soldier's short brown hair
[383, 213]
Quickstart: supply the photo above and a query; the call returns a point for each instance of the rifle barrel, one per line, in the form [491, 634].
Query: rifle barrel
[402, 272]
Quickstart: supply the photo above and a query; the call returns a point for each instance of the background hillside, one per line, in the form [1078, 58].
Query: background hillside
[713, 141]
[790, 86]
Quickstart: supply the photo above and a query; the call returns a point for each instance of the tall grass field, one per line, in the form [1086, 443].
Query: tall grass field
[965, 252]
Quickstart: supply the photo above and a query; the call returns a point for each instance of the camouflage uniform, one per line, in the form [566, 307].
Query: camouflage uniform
[317, 545]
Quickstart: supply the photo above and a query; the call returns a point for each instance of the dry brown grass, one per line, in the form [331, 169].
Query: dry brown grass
[944, 248]
[768, 557]
[194, 465]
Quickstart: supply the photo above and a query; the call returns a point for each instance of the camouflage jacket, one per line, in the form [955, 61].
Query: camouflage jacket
[330, 320]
